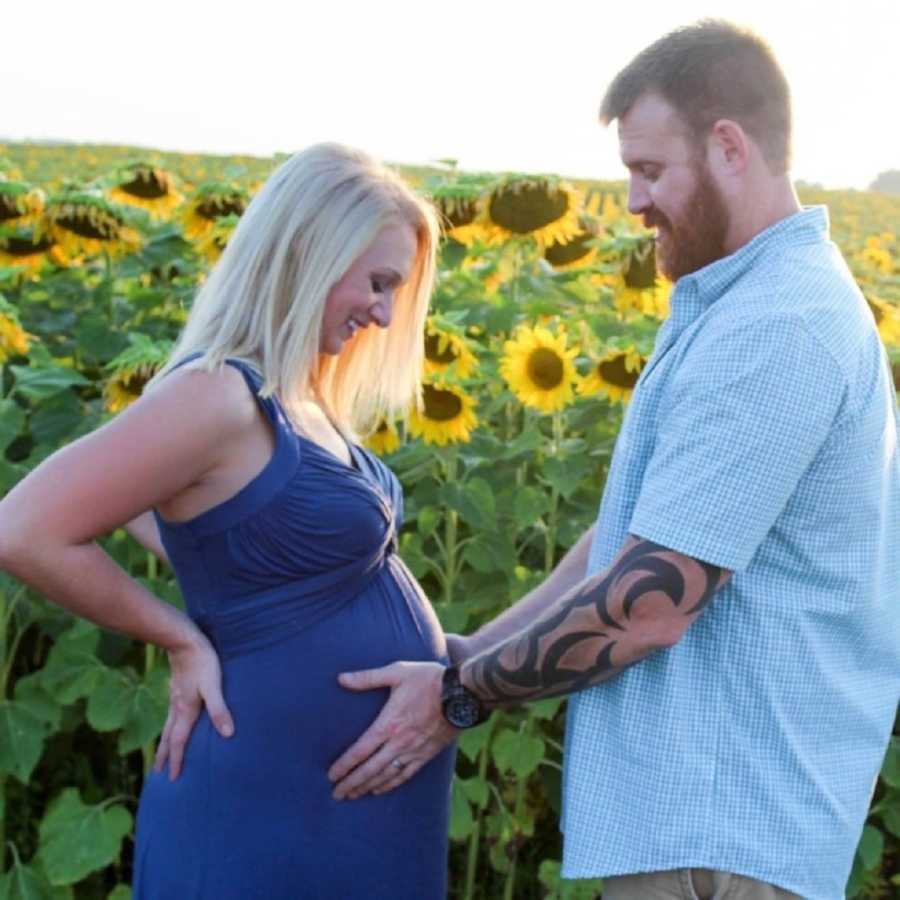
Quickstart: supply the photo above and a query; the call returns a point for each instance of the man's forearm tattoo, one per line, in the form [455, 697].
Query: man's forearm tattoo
[594, 634]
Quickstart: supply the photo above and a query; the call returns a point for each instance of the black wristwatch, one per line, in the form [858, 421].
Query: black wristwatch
[462, 709]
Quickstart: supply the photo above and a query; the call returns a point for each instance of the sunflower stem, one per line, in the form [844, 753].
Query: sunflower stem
[475, 836]
[553, 512]
[451, 523]
[519, 809]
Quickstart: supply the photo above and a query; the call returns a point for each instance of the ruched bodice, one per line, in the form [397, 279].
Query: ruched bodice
[294, 579]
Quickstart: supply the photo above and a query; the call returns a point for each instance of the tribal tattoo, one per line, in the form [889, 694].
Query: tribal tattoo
[643, 602]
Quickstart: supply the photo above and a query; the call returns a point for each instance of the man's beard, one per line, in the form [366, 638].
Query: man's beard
[698, 238]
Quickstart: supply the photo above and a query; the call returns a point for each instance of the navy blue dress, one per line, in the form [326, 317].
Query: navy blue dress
[295, 579]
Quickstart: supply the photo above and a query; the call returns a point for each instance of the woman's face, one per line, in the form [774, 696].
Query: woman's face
[364, 296]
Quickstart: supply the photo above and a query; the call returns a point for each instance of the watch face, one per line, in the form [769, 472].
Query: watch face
[461, 712]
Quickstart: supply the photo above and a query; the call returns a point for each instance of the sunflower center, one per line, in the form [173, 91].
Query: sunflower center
[440, 406]
[563, 254]
[545, 368]
[18, 246]
[614, 371]
[641, 271]
[105, 229]
[528, 207]
[458, 212]
[9, 209]
[213, 207]
[435, 354]
[147, 185]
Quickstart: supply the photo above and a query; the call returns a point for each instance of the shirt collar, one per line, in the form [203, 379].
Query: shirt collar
[706, 285]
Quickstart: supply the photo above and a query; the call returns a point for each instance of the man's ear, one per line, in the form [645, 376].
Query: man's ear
[728, 148]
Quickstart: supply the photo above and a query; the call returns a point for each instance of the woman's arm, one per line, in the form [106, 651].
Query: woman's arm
[144, 530]
[166, 443]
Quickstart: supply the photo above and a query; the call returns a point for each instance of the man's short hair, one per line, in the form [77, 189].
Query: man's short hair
[709, 71]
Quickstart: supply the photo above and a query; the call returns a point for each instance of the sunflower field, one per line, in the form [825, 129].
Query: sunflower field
[546, 310]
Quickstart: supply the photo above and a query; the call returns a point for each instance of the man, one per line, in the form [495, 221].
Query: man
[749, 532]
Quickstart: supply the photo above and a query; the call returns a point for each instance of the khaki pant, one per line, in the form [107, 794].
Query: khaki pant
[691, 884]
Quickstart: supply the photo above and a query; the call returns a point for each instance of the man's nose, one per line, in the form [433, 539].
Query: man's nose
[638, 197]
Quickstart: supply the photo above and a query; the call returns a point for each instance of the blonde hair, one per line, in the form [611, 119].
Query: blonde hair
[263, 301]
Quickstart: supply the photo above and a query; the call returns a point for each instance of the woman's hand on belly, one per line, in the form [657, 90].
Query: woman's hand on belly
[410, 730]
[196, 682]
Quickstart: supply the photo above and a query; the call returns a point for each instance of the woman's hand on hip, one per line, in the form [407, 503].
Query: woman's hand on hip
[196, 682]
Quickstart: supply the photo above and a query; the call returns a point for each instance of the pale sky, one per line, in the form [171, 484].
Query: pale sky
[495, 84]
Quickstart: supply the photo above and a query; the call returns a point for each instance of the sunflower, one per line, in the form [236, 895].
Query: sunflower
[84, 223]
[640, 287]
[213, 242]
[132, 369]
[445, 349]
[887, 319]
[28, 248]
[20, 204]
[447, 415]
[539, 369]
[211, 201]
[458, 201]
[14, 341]
[577, 252]
[384, 439]
[614, 375]
[144, 185]
[546, 209]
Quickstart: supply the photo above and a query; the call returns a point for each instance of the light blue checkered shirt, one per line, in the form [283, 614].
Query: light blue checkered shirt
[762, 437]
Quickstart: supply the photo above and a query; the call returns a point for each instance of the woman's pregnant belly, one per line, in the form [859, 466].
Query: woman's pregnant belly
[268, 785]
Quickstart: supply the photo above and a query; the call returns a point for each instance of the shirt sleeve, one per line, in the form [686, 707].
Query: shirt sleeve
[749, 408]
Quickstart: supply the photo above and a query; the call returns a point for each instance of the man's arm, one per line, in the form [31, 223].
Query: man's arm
[644, 601]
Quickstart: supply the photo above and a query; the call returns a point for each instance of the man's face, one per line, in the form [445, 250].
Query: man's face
[671, 187]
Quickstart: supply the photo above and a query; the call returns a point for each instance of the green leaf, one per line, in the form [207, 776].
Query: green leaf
[73, 669]
[76, 839]
[39, 383]
[891, 817]
[427, 519]
[136, 706]
[530, 504]
[474, 501]
[520, 754]
[453, 616]
[23, 882]
[57, 419]
[890, 771]
[546, 709]
[461, 820]
[476, 789]
[566, 475]
[491, 552]
[871, 846]
[471, 741]
[32, 695]
[411, 551]
[21, 739]
[12, 420]
[527, 441]
[119, 892]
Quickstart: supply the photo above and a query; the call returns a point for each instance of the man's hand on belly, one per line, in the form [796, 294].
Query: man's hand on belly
[410, 730]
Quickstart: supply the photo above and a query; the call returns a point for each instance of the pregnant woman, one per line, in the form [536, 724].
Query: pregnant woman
[240, 466]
